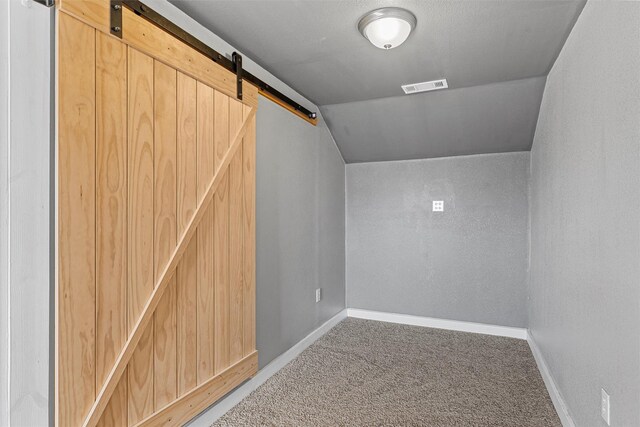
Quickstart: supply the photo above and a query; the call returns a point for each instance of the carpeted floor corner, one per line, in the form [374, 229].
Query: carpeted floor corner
[368, 373]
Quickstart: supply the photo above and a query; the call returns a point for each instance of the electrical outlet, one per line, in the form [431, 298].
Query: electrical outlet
[318, 294]
[605, 407]
[438, 206]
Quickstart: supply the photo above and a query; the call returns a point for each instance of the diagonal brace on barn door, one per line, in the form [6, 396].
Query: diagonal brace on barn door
[113, 378]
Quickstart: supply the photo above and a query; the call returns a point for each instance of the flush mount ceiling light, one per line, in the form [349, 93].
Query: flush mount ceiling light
[388, 27]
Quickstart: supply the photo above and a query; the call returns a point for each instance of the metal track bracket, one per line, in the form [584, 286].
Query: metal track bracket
[115, 17]
[237, 67]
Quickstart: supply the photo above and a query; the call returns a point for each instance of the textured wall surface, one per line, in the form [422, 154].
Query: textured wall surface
[26, 278]
[466, 263]
[4, 214]
[585, 216]
[300, 229]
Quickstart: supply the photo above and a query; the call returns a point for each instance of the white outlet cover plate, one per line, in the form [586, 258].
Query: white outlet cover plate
[438, 206]
[318, 294]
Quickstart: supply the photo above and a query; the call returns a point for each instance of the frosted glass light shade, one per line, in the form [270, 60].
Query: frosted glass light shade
[388, 27]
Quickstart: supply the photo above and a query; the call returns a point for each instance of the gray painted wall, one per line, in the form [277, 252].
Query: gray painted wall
[25, 244]
[300, 212]
[300, 229]
[466, 263]
[4, 213]
[585, 216]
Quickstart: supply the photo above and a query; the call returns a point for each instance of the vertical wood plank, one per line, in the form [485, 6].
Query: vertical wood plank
[236, 224]
[205, 291]
[115, 414]
[140, 374]
[165, 344]
[221, 127]
[186, 275]
[187, 282]
[111, 216]
[205, 311]
[221, 263]
[141, 226]
[235, 118]
[249, 237]
[165, 207]
[205, 137]
[76, 226]
[187, 150]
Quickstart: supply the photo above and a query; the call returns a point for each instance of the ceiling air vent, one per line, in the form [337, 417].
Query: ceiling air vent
[425, 86]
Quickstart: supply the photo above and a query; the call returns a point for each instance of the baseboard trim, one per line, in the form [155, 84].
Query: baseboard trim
[432, 322]
[549, 382]
[211, 415]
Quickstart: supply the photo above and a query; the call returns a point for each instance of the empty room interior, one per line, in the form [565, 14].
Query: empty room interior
[316, 213]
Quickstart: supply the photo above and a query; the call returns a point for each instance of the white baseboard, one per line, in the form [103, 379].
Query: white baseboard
[211, 415]
[554, 393]
[431, 322]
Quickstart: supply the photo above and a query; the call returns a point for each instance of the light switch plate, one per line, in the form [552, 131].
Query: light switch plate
[438, 206]
[318, 294]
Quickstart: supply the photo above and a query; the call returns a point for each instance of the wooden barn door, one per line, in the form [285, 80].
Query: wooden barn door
[155, 298]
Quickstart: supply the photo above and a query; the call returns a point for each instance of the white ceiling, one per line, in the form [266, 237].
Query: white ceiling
[316, 48]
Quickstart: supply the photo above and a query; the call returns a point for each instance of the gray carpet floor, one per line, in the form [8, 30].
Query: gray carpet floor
[367, 373]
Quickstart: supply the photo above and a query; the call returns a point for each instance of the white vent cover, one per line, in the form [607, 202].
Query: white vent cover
[425, 86]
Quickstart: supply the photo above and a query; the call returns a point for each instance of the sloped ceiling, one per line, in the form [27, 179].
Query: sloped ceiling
[493, 53]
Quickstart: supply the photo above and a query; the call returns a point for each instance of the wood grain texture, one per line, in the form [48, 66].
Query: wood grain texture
[141, 226]
[145, 318]
[236, 244]
[186, 156]
[165, 202]
[191, 404]
[205, 292]
[76, 317]
[235, 118]
[186, 276]
[221, 127]
[249, 94]
[145, 36]
[165, 369]
[221, 270]
[236, 241]
[111, 215]
[205, 297]
[249, 230]
[164, 154]
[115, 414]
[187, 281]
[141, 378]
[146, 203]
[205, 136]
[93, 12]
